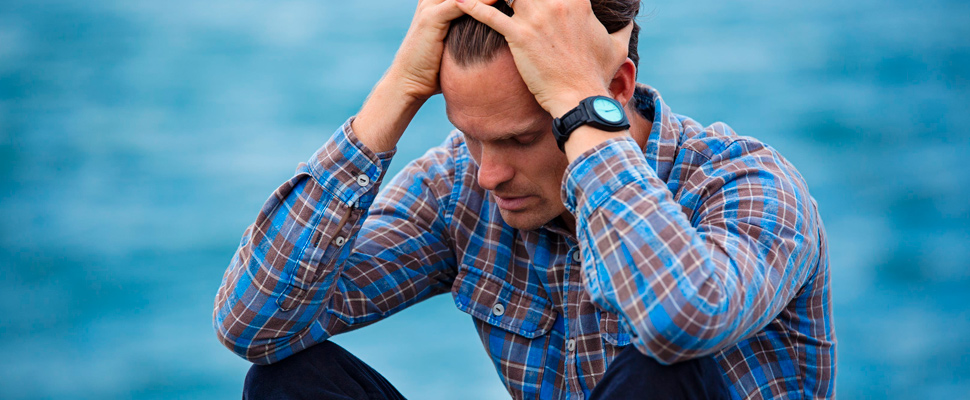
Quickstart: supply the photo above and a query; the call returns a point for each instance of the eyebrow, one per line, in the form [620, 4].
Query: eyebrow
[521, 131]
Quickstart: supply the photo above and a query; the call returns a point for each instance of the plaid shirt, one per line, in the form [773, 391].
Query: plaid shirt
[703, 242]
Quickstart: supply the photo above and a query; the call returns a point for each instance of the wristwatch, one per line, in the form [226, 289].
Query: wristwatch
[600, 112]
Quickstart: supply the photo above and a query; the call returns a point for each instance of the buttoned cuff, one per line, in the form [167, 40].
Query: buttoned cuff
[599, 172]
[347, 169]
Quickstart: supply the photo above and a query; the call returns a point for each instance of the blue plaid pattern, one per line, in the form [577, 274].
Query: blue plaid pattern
[702, 242]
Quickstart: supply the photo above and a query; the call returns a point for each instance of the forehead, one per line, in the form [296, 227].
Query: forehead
[489, 101]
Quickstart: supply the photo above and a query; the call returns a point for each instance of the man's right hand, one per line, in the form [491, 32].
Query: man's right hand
[411, 79]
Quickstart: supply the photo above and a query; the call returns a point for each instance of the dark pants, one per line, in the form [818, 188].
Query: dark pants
[327, 371]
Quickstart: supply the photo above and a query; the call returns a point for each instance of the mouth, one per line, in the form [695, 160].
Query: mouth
[510, 203]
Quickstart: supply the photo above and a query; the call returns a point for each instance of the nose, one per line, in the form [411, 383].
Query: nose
[494, 169]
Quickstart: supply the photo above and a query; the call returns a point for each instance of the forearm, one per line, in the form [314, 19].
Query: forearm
[278, 295]
[411, 79]
[286, 267]
[686, 289]
[386, 113]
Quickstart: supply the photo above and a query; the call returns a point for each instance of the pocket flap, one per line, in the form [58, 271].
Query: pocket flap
[497, 302]
[612, 330]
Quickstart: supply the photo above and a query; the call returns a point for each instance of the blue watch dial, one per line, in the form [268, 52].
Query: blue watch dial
[608, 110]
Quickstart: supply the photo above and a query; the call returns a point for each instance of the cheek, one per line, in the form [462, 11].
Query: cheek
[548, 167]
[475, 149]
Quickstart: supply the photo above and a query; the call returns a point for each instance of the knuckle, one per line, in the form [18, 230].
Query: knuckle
[435, 13]
[562, 10]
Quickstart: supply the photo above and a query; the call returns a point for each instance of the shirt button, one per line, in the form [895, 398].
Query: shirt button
[339, 241]
[363, 180]
[577, 257]
[571, 345]
[498, 309]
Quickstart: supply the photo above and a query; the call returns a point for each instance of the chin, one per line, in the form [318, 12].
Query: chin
[525, 220]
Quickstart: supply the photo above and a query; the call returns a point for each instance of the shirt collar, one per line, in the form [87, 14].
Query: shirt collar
[666, 131]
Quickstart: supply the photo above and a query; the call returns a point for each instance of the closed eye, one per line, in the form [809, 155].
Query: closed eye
[525, 140]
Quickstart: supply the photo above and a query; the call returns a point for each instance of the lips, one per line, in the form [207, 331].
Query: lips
[512, 203]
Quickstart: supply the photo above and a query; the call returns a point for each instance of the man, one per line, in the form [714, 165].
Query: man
[605, 247]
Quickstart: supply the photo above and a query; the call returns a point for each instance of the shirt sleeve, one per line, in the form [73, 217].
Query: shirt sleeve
[327, 254]
[697, 272]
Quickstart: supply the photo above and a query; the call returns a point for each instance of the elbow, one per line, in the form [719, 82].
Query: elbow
[237, 336]
[243, 347]
[672, 351]
[699, 328]
[673, 348]
[259, 345]
[670, 358]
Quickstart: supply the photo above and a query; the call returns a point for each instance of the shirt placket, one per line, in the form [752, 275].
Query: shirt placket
[572, 287]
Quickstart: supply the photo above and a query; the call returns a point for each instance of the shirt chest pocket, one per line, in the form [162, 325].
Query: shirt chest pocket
[500, 304]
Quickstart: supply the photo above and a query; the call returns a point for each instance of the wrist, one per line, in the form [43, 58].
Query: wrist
[385, 115]
[594, 120]
[410, 91]
[561, 104]
[585, 138]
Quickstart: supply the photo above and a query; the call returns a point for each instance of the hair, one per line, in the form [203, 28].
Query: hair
[471, 42]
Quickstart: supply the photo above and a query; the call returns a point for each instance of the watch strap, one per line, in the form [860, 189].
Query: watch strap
[584, 114]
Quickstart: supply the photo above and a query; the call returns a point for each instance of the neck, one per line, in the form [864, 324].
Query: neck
[569, 221]
[640, 126]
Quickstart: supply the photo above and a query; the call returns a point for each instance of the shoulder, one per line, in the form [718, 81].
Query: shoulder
[721, 149]
[442, 161]
[719, 167]
[436, 173]
[715, 141]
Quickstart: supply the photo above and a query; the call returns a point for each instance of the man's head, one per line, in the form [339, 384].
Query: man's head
[506, 130]
[470, 42]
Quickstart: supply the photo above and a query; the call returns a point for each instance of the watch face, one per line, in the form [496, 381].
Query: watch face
[608, 110]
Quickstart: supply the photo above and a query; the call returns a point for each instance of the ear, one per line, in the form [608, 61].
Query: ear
[624, 82]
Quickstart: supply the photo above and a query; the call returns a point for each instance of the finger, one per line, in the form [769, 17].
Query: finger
[429, 3]
[426, 4]
[447, 11]
[483, 11]
[621, 39]
[623, 35]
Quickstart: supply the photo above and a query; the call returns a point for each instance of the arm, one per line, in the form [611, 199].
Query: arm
[411, 79]
[693, 284]
[300, 274]
[325, 256]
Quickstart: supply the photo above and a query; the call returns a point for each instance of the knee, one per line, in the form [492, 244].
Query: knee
[696, 368]
[699, 378]
[699, 371]
[289, 376]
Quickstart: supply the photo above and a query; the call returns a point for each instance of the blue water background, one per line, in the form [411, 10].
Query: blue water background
[139, 138]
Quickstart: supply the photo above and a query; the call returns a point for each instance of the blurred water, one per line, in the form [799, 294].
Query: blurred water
[138, 139]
